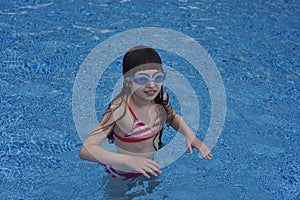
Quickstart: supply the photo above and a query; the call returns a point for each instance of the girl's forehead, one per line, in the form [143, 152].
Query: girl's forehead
[148, 71]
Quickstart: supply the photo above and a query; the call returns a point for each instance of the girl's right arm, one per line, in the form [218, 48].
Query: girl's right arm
[92, 151]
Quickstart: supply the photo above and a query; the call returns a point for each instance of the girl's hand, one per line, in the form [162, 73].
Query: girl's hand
[202, 148]
[143, 165]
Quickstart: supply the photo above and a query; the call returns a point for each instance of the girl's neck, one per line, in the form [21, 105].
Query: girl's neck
[140, 102]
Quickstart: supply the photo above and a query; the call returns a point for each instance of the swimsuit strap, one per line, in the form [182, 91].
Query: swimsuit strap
[140, 131]
[130, 109]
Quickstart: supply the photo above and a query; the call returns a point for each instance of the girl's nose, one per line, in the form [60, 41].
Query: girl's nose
[151, 84]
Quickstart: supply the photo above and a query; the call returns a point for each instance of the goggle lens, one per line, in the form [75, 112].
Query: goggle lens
[142, 79]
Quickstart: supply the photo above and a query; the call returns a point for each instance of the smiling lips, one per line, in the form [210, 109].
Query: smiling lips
[150, 92]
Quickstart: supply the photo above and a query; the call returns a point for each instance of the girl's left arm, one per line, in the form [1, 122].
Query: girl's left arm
[180, 125]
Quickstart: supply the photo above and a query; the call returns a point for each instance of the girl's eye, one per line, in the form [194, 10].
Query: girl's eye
[141, 80]
[159, 78]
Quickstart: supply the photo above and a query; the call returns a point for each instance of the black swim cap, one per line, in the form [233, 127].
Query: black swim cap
[141, 58]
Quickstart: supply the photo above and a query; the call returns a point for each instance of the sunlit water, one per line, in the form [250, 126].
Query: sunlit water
[255, 46]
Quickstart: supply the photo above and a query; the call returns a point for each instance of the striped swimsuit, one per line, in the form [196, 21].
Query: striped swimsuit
[139, 133]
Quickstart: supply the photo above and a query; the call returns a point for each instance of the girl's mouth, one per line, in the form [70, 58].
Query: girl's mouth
[150, 92]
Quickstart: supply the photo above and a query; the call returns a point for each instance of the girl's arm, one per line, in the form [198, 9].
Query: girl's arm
[181, 126]
[178, 123]
[92, 151]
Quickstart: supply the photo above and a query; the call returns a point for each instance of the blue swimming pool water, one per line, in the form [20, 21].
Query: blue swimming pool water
[255, 45]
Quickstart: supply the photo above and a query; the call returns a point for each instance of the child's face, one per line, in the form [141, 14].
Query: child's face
[144, 87]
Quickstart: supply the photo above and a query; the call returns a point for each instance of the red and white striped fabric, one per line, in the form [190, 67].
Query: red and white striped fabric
[140, 131]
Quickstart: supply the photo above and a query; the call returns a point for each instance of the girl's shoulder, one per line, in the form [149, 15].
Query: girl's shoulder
[116, 102]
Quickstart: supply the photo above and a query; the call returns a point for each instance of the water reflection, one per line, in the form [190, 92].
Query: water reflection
[116, 188]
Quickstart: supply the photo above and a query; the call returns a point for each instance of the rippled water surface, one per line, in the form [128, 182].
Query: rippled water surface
[255, 45]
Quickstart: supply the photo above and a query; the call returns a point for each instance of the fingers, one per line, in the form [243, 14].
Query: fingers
[155, 164]
[203, 149]
[205, 153]
[151, 167]
[190, 150]
[149, 170]
[207, 156]
[145, 174]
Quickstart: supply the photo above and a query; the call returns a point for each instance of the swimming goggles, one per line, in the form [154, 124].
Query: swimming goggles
[143, 79]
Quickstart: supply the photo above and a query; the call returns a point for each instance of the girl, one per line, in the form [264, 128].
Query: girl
[134, 120]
